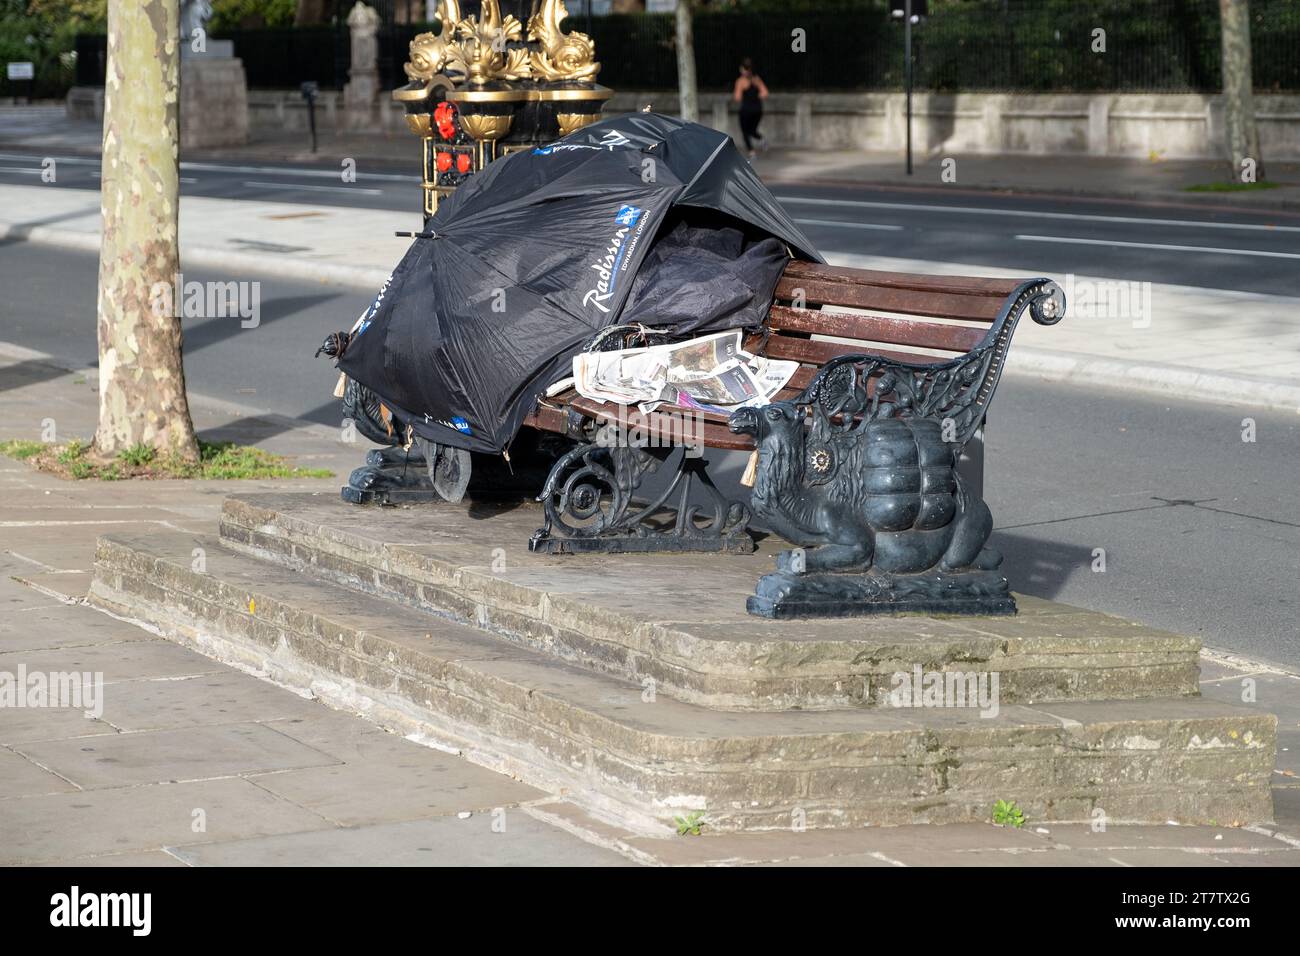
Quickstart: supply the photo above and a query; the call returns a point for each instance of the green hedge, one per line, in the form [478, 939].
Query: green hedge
[49, 49]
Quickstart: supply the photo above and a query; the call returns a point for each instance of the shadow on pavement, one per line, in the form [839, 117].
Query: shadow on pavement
[31, 372]
[1038, 567]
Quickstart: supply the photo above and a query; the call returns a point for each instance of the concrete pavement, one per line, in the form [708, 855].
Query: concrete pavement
[195, 763]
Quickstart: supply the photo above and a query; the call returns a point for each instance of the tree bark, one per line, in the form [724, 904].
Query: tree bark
[141, 378]
[1238, 95]
[689, 95]
[307, 13]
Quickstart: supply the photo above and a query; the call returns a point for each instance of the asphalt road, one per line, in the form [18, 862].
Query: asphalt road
[1186, 244]
[1200, 530]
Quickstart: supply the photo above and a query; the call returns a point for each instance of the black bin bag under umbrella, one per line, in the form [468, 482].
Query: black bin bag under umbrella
[538, 253]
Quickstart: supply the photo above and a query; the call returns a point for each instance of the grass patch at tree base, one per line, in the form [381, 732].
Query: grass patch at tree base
[217, 460]
[1229, 187]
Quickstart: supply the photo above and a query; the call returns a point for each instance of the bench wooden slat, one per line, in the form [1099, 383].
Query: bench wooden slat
[546, 416]
[876, 328]
[819, 353]
[962, 285]
[943, 305]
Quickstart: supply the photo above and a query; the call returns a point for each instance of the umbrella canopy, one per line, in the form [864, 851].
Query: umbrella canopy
[541, 251]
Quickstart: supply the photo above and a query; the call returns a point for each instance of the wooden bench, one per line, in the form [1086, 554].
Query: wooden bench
[923, 324]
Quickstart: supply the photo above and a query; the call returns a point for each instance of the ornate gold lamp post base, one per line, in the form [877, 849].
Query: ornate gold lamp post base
[485, 86]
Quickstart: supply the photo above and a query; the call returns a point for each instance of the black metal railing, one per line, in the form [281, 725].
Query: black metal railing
[281, 58]
[92, 55]
[980, 45]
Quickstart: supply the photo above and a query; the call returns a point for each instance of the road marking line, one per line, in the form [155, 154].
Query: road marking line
[29, 170]
[847, 225]
[70, 160]
[1161, 245]
[219, 168]
[353, 190]
[1034, 214]
[295, 171]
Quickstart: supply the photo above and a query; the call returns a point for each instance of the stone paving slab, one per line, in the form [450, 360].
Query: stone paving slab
[953, 844]
[149, 858]
[124, 661]
[63, 586]
[52, 624]
[28, 725]
[856, 860]
[90, 823]
[19, 777]
[220, 695]
[167, 756]
[416, 783]
[442, 842]
[344, 735]
[1286, 808]
[16, 596]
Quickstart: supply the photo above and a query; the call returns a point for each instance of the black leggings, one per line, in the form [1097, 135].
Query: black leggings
[749, 120]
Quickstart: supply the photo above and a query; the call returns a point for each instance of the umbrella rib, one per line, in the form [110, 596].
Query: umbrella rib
[706, 164]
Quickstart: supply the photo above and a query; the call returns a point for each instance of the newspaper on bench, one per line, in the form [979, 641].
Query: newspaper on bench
[709, 373]
[712, 374]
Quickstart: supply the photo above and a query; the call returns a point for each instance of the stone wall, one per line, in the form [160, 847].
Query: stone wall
[1175, 126]
[214, 102]
[1171, 125]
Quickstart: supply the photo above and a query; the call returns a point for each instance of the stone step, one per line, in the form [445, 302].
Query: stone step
[679, 620]
[640, 759]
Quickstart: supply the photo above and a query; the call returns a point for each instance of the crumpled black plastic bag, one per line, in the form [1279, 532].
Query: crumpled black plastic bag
[701, 277]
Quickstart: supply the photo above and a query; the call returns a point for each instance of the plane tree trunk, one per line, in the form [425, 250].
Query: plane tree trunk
[141, 378]
[686, 83]
[1238, 95]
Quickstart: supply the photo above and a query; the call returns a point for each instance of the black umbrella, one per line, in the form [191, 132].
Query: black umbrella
[525, 263]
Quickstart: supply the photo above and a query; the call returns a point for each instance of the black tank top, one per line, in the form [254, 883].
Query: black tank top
[749, 98]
